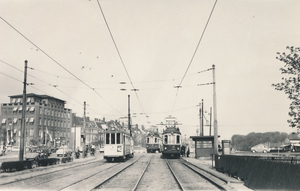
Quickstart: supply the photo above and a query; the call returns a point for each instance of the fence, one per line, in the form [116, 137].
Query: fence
[275, 173]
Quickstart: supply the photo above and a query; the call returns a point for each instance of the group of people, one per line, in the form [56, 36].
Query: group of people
[185, 151]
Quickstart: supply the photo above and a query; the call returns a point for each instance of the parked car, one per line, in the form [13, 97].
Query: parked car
[261, 148]
[64, 151]
[101, 150]
[36, 155]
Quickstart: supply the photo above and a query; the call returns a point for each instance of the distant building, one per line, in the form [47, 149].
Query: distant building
[47, 121]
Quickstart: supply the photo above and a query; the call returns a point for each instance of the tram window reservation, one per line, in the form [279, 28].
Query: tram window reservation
[178, 139]
[107, 138]
[113, 138]
[118, 138]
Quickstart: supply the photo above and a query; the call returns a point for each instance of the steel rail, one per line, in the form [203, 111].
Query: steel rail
[218, 182]
[174, 175]
[139, 180]
[67, 167]
[104, 181]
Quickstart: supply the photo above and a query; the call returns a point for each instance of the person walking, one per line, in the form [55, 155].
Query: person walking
[187, 150]
[183, 150]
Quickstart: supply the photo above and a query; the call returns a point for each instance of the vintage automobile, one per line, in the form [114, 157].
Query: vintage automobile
[36, 155]
[260, 148]
[101, 150]
[64, 151]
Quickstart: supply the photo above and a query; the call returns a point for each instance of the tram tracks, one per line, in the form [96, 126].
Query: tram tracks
[205, 180]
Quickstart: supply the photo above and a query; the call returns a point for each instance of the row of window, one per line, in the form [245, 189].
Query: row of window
[49, 122]
[172, 139]
[46, 111]
[20, 100]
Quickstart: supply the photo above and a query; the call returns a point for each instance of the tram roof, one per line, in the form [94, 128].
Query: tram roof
[153, 134]
[172, 129]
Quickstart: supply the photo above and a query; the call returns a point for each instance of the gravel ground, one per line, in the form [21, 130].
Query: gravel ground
[158, 177]
[189, 179]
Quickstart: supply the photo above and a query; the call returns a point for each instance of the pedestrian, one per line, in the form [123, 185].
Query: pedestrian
[183, 150]
[187, 150]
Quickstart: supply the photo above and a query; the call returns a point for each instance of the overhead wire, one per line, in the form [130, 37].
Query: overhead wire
[198, 44]
[58, 63]
[119, 54]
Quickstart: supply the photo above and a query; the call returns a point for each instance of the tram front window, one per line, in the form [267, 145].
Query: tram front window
[148, 140]
[155, 140]
[113, 138]
[107, 138]
[178, 139]
[166, 139]
[118, 138]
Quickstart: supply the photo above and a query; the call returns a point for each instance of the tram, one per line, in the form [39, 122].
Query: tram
[171, 139]
[118, 144]
[153, 142]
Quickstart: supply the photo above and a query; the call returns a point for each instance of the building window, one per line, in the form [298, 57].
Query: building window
[31, 132]
[40, 121]
[4, 121]
[45, 122]
[13, 100]
[31, 120]
[15, 109]
[26, 119]
[32, 109]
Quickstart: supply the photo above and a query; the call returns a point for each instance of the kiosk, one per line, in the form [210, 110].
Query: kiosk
[204, 146]
[226, 147]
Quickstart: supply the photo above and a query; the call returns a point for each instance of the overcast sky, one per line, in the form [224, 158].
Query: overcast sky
[69, 46]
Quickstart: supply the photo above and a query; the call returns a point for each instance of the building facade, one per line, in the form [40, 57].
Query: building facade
[47, 121]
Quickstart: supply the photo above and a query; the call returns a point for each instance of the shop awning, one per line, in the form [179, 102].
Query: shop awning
[4, 120]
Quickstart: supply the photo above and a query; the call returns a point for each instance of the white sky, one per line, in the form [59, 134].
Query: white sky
[156, 40]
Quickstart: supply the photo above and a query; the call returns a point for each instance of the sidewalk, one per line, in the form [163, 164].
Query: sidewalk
[206, 165]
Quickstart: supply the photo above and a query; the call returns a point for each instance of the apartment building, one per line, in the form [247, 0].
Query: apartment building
[47, 121]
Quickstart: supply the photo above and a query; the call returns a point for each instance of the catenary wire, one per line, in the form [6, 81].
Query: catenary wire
[198, 44]
[124, 66]
[58, 63]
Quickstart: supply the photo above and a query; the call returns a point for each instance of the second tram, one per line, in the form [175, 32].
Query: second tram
[171, 139]
[153, 142]
[118, 144]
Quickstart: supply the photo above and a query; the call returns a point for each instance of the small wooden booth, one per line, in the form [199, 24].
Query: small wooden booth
[204, 146]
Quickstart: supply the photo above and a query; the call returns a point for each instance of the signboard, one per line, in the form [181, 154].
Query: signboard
[204, 144]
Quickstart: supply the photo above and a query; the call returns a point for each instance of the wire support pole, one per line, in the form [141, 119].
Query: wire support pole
[215, 113]
[23, 128]
[129, 119]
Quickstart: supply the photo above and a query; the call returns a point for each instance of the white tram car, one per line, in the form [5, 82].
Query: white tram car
[118, 144]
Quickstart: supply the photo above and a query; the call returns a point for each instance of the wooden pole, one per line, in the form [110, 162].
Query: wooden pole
[22, 141]
[215, 113]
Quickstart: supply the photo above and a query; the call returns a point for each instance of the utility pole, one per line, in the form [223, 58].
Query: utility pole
[202, 114]
[129, 119]
[21, 153]
[200, 129]
[215, 113]
[84, 128]
[210, 122]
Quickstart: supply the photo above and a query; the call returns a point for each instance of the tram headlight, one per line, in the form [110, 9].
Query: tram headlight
[177, 148]
[165, 148]
[119, 148]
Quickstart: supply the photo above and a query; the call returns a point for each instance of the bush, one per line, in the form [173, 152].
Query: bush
[66, 159]
[17, 165]
[49, 161]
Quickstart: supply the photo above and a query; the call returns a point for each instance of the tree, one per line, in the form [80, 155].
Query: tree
[290, 84]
